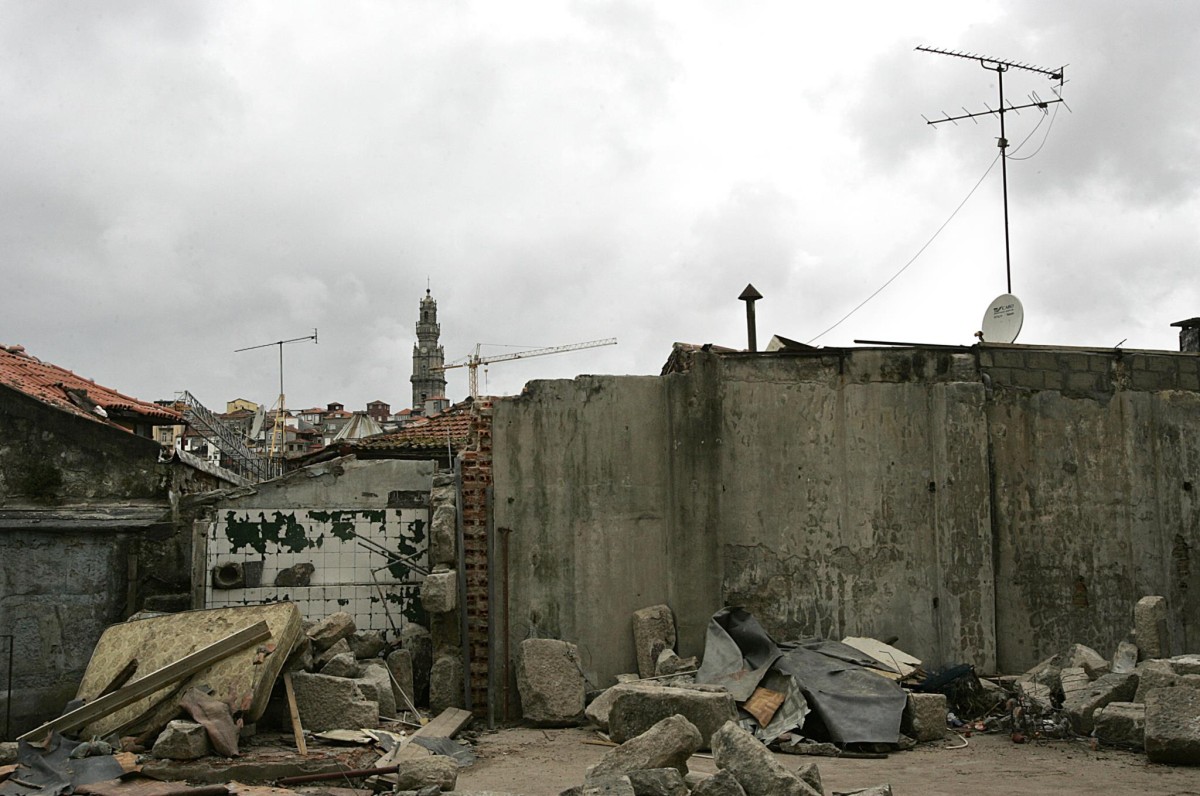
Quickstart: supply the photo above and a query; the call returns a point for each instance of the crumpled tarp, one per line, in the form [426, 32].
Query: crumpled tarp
[52, 771]
[831, 678]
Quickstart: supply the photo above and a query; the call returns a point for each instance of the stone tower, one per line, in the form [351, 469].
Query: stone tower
[428, 384]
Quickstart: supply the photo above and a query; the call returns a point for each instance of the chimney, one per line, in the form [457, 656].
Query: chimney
[750, 295]
[1189, 335]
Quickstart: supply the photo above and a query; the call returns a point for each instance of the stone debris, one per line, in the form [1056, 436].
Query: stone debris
[723, 783]
[1161, 674]
[439, 591]
[810, 774]
[636, 710]
[924, 717]
[400, 665]
[658, 782]
[612, 786]
[443, 535]
[342, 665]
[295, 575]
[1173, 725]
[366, 645]
[1073, 682]
[551, 683]
[755, 769]
[332, 629]
[1120, 723]
[446, 682]
[376, 686]
[653, 632]
[668, 744]
[1125, 658]
[598, 710]
[181, 740]
[422, 772]
[1150, 627]
[669, 663]
[1185, 664]
[332, 703]
[1035, 696]
[1082, 704]
[339, 647]
[875, 790]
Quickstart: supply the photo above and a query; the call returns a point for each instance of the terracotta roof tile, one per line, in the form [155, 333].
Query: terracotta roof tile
[453, 425]
[72, 393]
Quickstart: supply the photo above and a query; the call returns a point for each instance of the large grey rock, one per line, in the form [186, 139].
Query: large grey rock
[1081, 705]
[609, 786]
[420, 772]
[439, 592]
[1125, 658]
[339, 647]
[1185, 664]
[446, 682]
[367, 645]
[400, 664]
[1076, 656]
[1150, 627]
[637, 710]
[332, 703]
[599, 709]
[550, 682]
[653, 632]
[658, 782]
[924, 717]
[723, 783]
[1120, 723]
[669, 663]
[376, 686]
[181, 740]
[443, 535]
[1161, 674]
[1173, 725]
[342, 665]
[330, 630]
[755, 768]
[667, 744]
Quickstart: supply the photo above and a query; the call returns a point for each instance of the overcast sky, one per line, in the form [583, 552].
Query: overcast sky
[179, 180]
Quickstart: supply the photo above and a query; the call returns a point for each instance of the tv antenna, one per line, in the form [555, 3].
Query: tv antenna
[1000, 66]
[279, 431]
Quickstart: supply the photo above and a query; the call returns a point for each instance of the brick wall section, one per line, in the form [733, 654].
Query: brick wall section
[476, 481]
[1088, 372]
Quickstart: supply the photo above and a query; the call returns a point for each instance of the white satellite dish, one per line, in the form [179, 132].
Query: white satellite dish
[1003, 319]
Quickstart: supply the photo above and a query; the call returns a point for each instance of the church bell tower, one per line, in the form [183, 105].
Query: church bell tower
[428, 384]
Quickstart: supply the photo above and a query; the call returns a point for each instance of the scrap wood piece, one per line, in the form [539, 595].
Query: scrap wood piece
[122, 677]
[148, 787]
[6, 771]
[893, 659]
[763, 704]
[446, 725]
[188, 665]
[294, 711]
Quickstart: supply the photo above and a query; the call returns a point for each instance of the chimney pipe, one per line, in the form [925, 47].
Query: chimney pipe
[1189, 335]
[750, 295]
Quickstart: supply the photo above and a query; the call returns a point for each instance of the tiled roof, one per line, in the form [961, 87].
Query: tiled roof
[452, 425]
[69, 392]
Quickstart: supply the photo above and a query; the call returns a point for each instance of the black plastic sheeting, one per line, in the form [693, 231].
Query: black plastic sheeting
[53, 772]
[830, 678]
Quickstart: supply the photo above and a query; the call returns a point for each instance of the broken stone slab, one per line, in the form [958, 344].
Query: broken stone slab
[1082, 705]
[366, 645]
[342, 665]
[610, 786]
[668, 744]
[1150, 627]
[669, 663]
[1173, 725]
[446, 682]
[339, 647]
[658, 782]
[1185, 664]
[599, 709]
[1120, 723]
[754, 767]
[181, 740]
[1077, 656]
[332, 703]
[376, 686]
[421, 772]
[1036, 697]
[1125, 658]
[551, 683]
[1073, 680]
[635, 711]
[400, 665]
[439, 591]
[653, 632]
[330, 630]
[924, 717]
[443, 534]
[723, 783]
[799, 746]
[1161, 674]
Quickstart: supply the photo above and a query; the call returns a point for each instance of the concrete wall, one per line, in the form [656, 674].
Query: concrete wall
[959, 499]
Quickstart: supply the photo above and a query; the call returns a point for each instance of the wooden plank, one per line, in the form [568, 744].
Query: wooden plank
[297, 727]
[188, 665]
[446, 725]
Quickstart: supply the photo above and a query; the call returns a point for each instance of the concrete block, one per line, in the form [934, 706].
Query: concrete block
[439, 592]
[446, 682]
[1150, 627]
[610, 786]
[443, 536]
[342, 665]
[1120, 723]
[421, 772]
[366, 645]
[400, 664]
[1173, 725]
[658, 782]
[924, 717]
[551, 683]
[636, 710]
[330, 630]
[181, 740]
[753, 765]
[723, 783]
[653, 632]
[1160, 673]
[1081, 705]
[332, 703]
[376, 686]
[667, 744]
[1125, 658]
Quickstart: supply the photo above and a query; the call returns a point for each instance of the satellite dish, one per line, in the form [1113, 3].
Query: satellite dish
[1003, 319]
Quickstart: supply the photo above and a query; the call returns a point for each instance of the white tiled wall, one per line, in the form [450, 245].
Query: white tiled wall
[343, 579]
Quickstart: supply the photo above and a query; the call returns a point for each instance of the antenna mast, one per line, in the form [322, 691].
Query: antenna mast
[279, 430]
[1000, 66]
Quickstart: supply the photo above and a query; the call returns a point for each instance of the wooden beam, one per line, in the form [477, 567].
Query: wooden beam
[184, 667]
[297, 727]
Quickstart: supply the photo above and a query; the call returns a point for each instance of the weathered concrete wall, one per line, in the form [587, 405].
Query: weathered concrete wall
[986, 505]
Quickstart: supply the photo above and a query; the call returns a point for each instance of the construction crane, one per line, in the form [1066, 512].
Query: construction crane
[474, 360]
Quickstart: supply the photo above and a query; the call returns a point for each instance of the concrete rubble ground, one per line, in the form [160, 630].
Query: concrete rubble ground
[341, 685]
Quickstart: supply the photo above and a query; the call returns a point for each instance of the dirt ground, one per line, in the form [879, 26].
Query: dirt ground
[546, 762]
